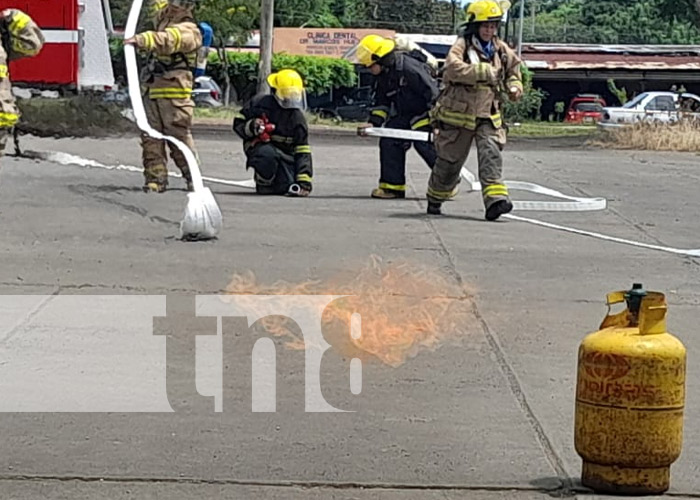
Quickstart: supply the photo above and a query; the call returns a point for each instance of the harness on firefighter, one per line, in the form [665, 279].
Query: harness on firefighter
[158, 65]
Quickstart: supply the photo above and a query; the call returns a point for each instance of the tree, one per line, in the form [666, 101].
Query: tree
[232, 21]
[618, 21]
[307, 13]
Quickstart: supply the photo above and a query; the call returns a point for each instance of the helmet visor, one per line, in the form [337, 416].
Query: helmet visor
[359, 55]
[291, 98]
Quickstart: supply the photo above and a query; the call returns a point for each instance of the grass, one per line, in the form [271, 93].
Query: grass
[550, 129]
[226, 115]
[525, 129]
[683, 136]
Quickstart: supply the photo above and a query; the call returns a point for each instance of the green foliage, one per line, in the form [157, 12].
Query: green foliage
[320, 74]
[116, 50]
[616, 21]
[308, 13]
[232, 20]
[529, 106]
[621, 94]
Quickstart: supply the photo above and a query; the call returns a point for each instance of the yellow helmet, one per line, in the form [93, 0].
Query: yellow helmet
[482, 11]
[289, 89]
[370, 49]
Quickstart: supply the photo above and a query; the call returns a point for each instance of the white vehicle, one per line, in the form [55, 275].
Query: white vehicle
[653, 107]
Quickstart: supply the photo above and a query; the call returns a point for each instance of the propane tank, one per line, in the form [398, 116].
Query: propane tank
[630, 398]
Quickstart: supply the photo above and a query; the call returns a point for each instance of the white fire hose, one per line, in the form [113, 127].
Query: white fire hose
[573, 203]
[202, 218]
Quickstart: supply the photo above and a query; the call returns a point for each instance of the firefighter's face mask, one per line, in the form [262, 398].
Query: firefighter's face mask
[288, 89]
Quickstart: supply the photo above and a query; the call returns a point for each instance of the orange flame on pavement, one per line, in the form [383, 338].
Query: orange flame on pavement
[404, 309]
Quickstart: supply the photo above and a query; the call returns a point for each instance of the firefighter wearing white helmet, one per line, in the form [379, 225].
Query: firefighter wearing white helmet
[479, 69]
[21, 37]
[167, 79]
[276, 137]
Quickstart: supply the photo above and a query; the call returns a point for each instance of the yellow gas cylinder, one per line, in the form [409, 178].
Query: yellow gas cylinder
[630, 396]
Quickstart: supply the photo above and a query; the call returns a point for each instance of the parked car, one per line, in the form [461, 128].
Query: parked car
[585, 108]
[655, 107]
[353, 107]
[206, 93]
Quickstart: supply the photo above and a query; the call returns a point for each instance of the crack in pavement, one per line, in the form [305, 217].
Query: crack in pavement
[505, 366]
[583, 193]
[337, 485]
[612, 210]
[164, 291]
[29, 316]
[129, 208]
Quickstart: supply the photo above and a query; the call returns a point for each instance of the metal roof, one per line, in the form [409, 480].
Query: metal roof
[560, 61]
[529, 48]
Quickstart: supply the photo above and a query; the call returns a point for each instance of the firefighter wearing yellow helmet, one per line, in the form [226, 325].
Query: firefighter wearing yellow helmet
[168, 79]
[405, 91]
[479, 69]
[276, 137]
[21, 38]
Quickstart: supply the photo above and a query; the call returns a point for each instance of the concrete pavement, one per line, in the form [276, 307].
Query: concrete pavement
[486, 413]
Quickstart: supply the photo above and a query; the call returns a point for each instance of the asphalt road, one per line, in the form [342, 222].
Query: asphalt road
[477, 404]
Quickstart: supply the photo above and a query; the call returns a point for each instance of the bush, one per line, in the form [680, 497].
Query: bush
[320, 74]
[529, 106]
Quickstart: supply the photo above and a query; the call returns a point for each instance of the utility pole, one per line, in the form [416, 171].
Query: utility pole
[267, 21]
[520, 28]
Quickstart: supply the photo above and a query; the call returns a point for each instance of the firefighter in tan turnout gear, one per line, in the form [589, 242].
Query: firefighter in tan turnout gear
[21, 37]
[168, 80]
[479, 69]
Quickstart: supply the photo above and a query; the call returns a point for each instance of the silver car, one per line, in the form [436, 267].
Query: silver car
[206, 93]
[654, 107]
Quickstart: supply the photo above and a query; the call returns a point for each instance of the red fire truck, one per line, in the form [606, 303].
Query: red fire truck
[76, 54]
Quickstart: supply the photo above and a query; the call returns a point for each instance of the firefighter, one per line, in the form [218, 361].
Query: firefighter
[21, 37]
[168, 80]
[404, 93]
[276, 137]
[478, 70]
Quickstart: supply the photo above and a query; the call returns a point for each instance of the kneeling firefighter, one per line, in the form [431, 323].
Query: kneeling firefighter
[276, 137]
[21, 37]
[168, 80]
[478, 70]
[404, 94]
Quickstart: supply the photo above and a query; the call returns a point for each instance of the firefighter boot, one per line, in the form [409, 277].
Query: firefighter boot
[498, 208]
[156, 178]
[434, 208]
[387, 194]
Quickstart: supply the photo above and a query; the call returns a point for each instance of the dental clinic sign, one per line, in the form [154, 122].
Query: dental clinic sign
[326, 42]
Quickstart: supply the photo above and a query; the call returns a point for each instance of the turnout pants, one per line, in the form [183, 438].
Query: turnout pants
[392, 156]
[452, 145]
[275, 170]
[172, 117]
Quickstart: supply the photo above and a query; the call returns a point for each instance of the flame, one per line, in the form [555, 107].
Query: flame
[405, 308]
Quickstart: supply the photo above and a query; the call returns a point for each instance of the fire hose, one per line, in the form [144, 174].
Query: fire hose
[573, 203]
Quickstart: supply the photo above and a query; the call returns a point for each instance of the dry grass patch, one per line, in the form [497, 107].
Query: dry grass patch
[681, 136]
